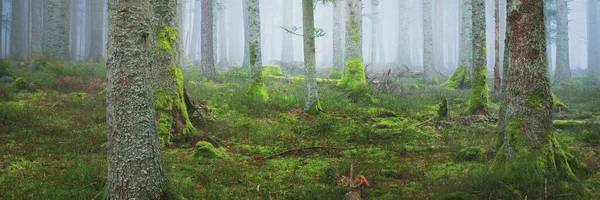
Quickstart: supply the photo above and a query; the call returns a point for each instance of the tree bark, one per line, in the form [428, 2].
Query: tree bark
[196, 33]
[134, 160]
[245, 8]
[563, 68]
[466, 43]
[497, 80]
[312, 104]
[403, 34]
[223, 57]
[373, 38]
[96, 32]
[528, 137]
[257, 87]
[36, 26]
[593, 27]
[478, 103]
[56, 30]
[338, 31]
[428, 57]
[17, 36]
[287, 43]
[208, 57]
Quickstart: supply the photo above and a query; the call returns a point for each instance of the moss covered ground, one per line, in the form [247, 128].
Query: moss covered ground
[53, 141]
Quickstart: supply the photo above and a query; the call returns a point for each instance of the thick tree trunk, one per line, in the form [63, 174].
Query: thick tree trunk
[134, 164]
[287, 43]
[403, 34]
[96, 33]
[497, 81]
[466, 43]
[207, 61]
[528, 137]
[338, 31]
[17, 37]
[478, 103]
[56, 30]
[257, 87]
[563, 68]
[312, 104]
[428, 57]
[171, 112]
[36, 26]
[354, 72]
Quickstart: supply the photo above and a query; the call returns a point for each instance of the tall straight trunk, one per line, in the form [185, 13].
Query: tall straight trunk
[287, 43]
[563, 69]
[88, 29]
[246, 19]
[254, 26]
[403, 34]
[428, 57]
[497, 80]
[354, 72]
[311, 104]
[196, 32]
[1, 27]
[223, 60]
[215, 28]
[172, 116]
[17, 36]
[466, 43]
[73, 28]
[36, 26]
[438, 34]
[96, 33]
[338, 31]
[134, 160]
[56, 30]
[208, 57]
[373, 38]
[528, 133]
[478, 103]
[593, 26]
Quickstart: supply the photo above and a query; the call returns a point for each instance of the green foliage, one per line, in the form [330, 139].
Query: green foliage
[479, 101]
[269, 70]
[592, 137]
[472, 154]
[460, 79]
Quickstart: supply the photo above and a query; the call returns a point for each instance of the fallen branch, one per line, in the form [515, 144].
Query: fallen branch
[294, 150]
[424, 122]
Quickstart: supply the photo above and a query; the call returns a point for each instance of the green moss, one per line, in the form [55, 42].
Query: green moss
[166, 37]
[460, 79]
[354, 74]
[19, 84]
[472, 154]
[335, 73]
[558, 104]
[207, 150]
[269, 70]
[257, 87]
[479, 101]
[535, 99]
[315, 108]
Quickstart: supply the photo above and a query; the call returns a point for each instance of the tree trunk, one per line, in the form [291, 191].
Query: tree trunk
[245, 8]
[428, 57]
[173, 122]
[380, 44]
[466, 43]
[373, 38]
[478, 103]
[593, 27]
[563, 69]
[257, 87]
[56, 30]
[17, 36]
[208, 57]
[223, 61]
[96, 33]
[312, 104]
[36, 26]
[287, 43]
[528, 137]
[134, 160]
[497, 81]
[196, 33]
[354, 72]
[1, 27]
[403, 34]
[338, 31]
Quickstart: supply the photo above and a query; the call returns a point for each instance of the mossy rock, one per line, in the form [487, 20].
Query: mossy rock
[472, 154]
[269, 70]
[207, 150]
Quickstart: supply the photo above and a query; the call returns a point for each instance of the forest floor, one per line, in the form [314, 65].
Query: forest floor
[53, 141]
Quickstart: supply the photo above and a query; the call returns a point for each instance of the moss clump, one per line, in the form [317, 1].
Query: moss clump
[166, 37]
[335, 73]
[479, 101]
[315, 108]
[257, 87]
[269, 70]
[460, 79]
[354, 74]
[207, 150]
[472, 154]
[558, 104]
